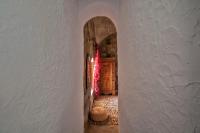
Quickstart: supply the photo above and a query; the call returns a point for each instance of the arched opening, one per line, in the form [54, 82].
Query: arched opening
[100, 75]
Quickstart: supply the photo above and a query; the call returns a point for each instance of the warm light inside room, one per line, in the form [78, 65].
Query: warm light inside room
[100, 75]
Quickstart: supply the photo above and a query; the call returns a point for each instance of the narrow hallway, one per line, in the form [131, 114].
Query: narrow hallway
[100, 76]
[61, 59]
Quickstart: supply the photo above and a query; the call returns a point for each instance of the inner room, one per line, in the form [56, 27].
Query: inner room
[100, 76]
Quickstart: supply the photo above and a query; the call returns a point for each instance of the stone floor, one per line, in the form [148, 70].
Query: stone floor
[103, 129]
[111, 105]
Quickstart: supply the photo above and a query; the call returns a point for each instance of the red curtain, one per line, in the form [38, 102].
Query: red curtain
[97, 73]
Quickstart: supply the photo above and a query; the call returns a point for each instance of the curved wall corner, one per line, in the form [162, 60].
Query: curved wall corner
[159, 72]
[39, 67]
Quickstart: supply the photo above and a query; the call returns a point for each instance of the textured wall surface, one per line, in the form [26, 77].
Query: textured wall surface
[41, 76]
[39, 65]
[92, 8]
[159, 61]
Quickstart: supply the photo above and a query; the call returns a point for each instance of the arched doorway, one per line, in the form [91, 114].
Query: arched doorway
[100, 71]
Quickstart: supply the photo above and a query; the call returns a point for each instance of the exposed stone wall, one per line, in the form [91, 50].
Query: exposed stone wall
[108, 46]
[159, 61]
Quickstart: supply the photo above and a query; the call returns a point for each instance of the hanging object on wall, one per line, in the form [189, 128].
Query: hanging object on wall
[96, 70]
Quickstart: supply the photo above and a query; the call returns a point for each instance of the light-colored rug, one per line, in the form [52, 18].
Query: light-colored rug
[110, 103]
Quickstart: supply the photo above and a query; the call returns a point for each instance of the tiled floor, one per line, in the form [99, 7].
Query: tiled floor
[111, 105]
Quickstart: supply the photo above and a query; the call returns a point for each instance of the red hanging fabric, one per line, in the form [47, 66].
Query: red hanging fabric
[96, 73]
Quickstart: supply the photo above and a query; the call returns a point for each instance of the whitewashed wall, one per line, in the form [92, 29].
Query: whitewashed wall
[92, 8]
[39, 67]
[159, 66]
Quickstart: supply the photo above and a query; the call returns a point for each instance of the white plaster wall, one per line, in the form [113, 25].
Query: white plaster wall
[40, 67]
[159, 61]
[92, 8]
[41, 64]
